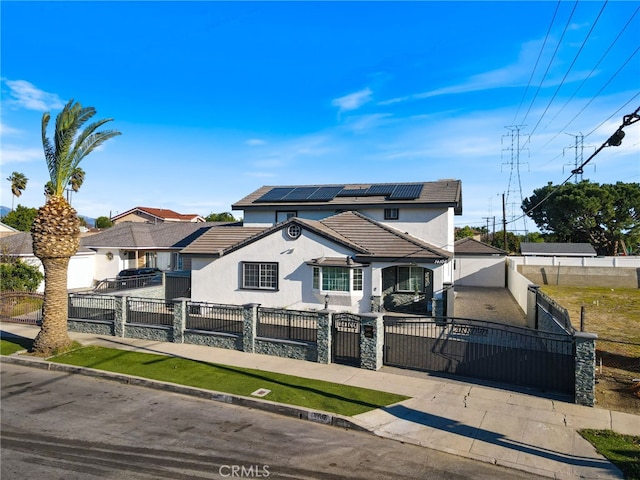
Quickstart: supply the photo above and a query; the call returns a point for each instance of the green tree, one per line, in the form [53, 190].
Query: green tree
[513, 242]
[220, 217]
[20, 276]
[586, 212]
[21, 218]
[103, 222]
[55, 231]
[18, 185]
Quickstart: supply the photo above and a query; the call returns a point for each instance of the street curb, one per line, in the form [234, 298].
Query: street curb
[300, 413]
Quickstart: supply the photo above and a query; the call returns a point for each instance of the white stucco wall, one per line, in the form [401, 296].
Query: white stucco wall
[219, 280]
[480, 271]
[435, 226]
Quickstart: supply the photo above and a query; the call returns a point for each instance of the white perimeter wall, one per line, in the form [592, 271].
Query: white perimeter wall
[480, 271]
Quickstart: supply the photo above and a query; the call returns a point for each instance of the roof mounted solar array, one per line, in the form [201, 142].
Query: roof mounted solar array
[326, 194]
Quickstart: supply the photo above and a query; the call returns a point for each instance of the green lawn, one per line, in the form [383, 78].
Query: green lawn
[287, 389]
[10, 344]
[621, 450]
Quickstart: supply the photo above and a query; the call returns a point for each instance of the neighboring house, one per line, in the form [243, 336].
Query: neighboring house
[6, 230]
[478, 264]
[155, 215]
[137, 245]
[81, 265]
[359, 248]
[530, 249]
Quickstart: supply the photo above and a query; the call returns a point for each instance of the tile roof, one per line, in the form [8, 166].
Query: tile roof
[471, 246]
[441, 192]
[161, 213]
[368, 239]
[562, 249]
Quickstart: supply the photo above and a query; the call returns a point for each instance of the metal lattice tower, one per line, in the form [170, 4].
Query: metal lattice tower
[514, 189]
[578, 149]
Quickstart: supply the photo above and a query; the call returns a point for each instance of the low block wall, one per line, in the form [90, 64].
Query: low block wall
[618, 277]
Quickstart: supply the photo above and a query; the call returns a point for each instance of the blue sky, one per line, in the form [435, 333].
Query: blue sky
[215, 99]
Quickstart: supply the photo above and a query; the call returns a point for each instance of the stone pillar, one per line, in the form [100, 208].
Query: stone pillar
[121, 316]
[249, 327]
[324, 341]
[435, 307]
[179, 319]
[585, 368]
[371, 341]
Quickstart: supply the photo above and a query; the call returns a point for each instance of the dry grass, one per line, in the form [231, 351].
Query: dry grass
[614, 314]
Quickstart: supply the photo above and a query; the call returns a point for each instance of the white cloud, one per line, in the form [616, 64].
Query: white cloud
[7, 130]
[353, 101]
[27, 95]
[255, 142]
[14, 154]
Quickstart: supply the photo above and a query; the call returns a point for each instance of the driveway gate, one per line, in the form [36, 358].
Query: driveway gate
[346, 339]
[484, 350]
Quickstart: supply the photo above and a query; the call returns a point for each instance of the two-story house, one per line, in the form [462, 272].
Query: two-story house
[359, 248]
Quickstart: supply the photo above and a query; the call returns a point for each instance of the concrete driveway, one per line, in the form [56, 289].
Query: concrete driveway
[488, 303]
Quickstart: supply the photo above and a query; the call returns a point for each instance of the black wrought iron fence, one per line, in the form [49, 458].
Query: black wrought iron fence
[557, 312]
[215, 318]
[287, 324]
[149, 311]
[91, 307]
[21, 307]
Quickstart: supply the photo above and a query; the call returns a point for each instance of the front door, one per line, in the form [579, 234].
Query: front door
[346, 339]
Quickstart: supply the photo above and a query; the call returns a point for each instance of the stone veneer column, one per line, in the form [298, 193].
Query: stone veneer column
[324, 340]
[249, 327]
[371, 341]
[585, 368]
[121, 316]
[179, 319]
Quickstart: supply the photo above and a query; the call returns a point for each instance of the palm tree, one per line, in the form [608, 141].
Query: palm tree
[75, 182]
[55, 231]
[18, 184]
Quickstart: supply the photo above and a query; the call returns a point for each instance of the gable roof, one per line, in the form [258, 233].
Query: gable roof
[137, 235]
[162, 214]
[368, 239]
[558, 249]
[471, 246]
[344, 196]
[21, 244]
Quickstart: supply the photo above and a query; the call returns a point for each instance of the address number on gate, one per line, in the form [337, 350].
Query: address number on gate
[347, 325]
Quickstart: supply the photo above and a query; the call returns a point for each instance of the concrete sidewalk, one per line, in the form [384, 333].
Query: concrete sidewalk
[515, 430]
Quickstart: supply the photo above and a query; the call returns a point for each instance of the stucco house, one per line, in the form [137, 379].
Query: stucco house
[155, 216]
[355, 247]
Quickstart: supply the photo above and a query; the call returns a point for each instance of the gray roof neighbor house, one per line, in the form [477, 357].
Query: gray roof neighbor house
[557, 249]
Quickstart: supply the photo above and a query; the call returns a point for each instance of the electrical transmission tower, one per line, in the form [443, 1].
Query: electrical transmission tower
[578, 148]
[513, 193]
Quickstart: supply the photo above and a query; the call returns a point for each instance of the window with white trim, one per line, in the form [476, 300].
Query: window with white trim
[337, 279]
[262, 276]
[391, 214]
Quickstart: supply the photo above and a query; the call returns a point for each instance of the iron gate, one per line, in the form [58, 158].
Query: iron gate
[346, 339]
[484, 350]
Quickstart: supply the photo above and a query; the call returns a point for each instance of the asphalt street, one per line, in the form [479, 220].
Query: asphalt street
[61, 426]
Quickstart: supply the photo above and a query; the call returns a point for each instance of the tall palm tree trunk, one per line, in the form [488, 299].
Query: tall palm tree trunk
[53, 335]
[56, 238]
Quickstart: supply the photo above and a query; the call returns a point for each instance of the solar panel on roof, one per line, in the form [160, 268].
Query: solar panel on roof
[380, 190]
[406, 192]
[275, 194]
[299, 194]
[352, 192]
[324, 194]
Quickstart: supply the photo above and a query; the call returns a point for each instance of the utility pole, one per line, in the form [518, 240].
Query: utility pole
[504, 223]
